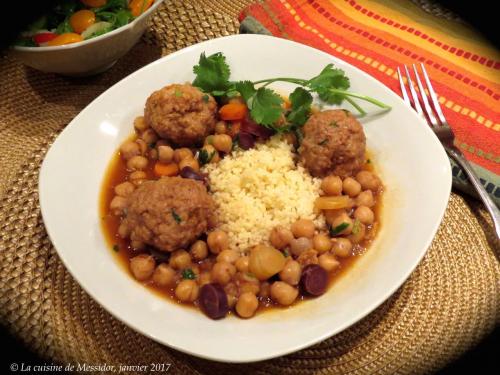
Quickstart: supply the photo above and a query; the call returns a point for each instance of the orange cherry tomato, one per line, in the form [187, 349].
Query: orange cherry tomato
[94, 3]
[82, 19]
[137, 7]
[66, 38]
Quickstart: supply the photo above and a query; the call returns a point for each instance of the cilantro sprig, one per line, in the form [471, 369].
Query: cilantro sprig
[265, 105]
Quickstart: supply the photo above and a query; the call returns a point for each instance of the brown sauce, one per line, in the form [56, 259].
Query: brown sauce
[117, 173]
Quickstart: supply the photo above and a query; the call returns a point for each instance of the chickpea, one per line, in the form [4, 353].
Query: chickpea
[180, 259]
[368, 180]
[265, 290]
[222, 272]
[208, 140]
[351, 187]
[204, 278]
[299, 245]
[143, 146]
[123, 230]
[164, 275]
[247, 305]
[358, 232]
[213, 154]
[137, 175]
[199, 250]
[364, 215]
[242, 264]
[187, 291]
[340, 220]
[136, 163]
[283, 293]
[250, 287]
[222, 142]
[165, 154]
[129, 149]
[182, 153]
[117, 205]
[142, 266]
[342, 247]
[322, 243]
[365, 198]
[332, 185]
[124, 189]
[220, 128]
[189, 162]
[303, 228]
[280, 237]
[328, 262]
[217, 241]
[331, 215]
[139, 124]
[291, 273]
[149, 136]
[229, 256]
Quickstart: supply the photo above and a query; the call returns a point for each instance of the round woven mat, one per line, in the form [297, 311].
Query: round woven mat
[447, 305]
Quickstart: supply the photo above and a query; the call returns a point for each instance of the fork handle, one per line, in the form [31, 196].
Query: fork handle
[488, 202]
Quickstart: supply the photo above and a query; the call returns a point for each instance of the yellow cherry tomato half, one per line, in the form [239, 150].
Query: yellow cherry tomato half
[82, 19]
[94, 3]
[66, 38]
[137, 7]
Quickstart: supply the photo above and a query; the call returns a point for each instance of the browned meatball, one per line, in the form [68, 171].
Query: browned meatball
[181, 114]
[169, 213]
[334, 142]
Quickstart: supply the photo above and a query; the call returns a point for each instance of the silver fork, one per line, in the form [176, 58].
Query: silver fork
[443, 132]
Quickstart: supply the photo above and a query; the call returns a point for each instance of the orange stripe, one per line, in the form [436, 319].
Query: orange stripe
[456, 51]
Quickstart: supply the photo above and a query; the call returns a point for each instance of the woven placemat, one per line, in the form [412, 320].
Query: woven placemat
[447, 305]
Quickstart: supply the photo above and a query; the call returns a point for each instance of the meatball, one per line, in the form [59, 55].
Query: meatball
[334, 143]
[181, 114]
[169, 213]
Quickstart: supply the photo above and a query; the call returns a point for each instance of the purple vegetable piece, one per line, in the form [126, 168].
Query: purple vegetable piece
[188, 172]
[251, 127]
[245, 140]
[213, 301]
[314, 280]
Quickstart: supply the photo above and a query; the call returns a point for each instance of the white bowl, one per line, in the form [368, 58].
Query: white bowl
[90, 56]
[411, 161]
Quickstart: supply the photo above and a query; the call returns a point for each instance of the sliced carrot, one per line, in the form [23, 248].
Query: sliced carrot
[162, 169]
[233, 111]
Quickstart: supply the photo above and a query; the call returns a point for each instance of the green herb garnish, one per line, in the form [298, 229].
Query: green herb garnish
[331, 84]
[178, 93]
[176, 217]
[188, 274]
[116, 247]
[356, 227]
[204, 157]
[339, 228]
[323, 142]
[205, 98]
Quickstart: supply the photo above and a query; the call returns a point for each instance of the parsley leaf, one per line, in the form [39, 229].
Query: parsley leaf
[301, 101]
[265, 107]
[246, 89]
[330, 78]
[212, 74]
[339, 228]
[188, 274]
[176, 217]
[204, 157]
[205, 98]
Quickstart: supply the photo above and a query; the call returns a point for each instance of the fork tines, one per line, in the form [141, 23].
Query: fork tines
[426, 93]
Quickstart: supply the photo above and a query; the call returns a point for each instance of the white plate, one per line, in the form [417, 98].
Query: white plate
[411, 161]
